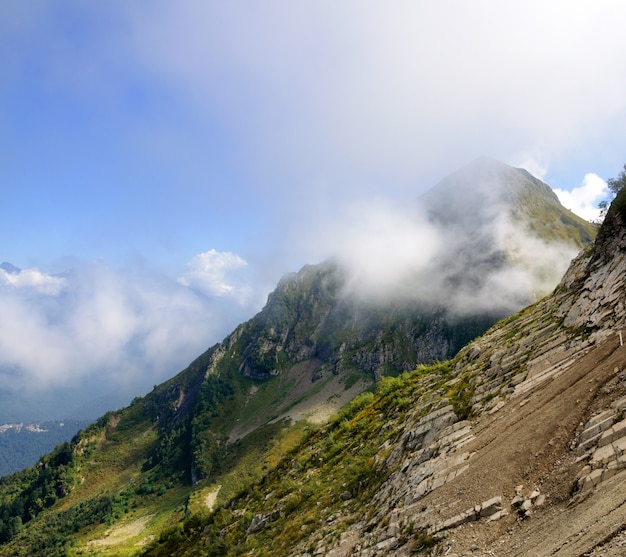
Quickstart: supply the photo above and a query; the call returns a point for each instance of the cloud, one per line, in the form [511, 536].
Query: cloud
[122, 330]
[392, 89]
[486, 264]
[382, 244]
[35, 280]
[533, 163]
[235, 118]
[207, 272]
[533, 268]
[583, 200]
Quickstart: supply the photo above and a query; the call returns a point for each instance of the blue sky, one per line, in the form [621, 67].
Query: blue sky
[182, 156]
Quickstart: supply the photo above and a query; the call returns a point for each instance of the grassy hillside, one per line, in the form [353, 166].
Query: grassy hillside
[105, 492]
[336, 466]
[470, 196]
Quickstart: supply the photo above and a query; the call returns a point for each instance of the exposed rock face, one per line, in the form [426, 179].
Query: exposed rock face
[602, 447]
[312, 330]
[599, 303]
[308, 317]
[516, 447]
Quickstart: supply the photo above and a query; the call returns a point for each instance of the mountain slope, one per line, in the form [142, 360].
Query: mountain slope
[514, 448]
[500, 254]
[222, 423]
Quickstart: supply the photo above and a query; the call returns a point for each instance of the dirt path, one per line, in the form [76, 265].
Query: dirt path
[212, 497]
[527, 443]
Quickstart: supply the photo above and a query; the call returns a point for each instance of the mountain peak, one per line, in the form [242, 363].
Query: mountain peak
[10, 268]
[224, 420]
[486, 189]
[487, 180]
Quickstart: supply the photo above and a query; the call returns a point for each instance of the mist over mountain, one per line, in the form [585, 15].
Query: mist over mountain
[484, 242]
[10, 268]
[488, 238]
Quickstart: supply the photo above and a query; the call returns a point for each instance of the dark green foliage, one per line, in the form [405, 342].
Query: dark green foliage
[53, 536]
[205, 446]
[192, 445]
[171, 457]
[614, 221]
[423, 543]
[616, 185]
[461, 398]
[619, 203]
[26, 494]
[333, 466]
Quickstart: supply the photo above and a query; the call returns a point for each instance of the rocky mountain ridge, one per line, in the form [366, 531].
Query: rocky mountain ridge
[312, 322]
[214, 429]
[319, 345]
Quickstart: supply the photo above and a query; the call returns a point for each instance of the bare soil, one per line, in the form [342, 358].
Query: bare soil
[529, 442]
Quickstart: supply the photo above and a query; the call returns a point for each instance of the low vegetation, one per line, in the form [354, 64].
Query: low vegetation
[334, 466]
[120, 470]
[204, 464]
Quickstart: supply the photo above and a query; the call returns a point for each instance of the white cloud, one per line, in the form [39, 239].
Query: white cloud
[208, 272]
[119, 329]
[393, 252]
[583, 200]
[382, 244]
[533, 163]
[302, 106]
[35, 280]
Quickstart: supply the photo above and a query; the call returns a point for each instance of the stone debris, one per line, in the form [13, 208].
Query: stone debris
[602, 447]
[491, 510]
[426, 456]
[531, 349]
[260, 521]
[524, 506]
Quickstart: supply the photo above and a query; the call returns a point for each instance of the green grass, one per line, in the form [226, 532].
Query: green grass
[333, 467]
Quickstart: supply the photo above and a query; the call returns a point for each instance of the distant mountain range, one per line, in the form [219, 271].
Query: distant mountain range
[10, 268]
[22, 445]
